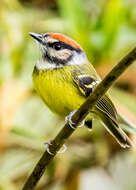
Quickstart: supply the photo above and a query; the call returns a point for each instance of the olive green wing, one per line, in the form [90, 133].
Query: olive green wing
[104, 108]
[86, 84]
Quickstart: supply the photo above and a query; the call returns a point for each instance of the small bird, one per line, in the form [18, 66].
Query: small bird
[64, 78]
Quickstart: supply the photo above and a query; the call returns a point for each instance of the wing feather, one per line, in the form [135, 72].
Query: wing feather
[86, 85]
[106, 106]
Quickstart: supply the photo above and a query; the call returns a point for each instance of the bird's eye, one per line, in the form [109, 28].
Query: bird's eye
[57, 46]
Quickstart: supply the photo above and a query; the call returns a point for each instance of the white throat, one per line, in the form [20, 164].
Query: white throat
[77, 59]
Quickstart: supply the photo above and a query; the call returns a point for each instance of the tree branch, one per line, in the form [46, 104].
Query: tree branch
[80, 114]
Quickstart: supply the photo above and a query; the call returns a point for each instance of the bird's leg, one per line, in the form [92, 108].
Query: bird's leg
[71, 123]
[89, 124]
[64, 149]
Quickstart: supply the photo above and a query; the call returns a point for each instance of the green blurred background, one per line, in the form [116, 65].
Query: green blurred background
[106, 29]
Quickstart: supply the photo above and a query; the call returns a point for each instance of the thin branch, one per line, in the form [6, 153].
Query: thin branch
[80, 114]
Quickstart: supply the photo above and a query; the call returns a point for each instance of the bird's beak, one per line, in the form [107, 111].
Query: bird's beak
[37, 37]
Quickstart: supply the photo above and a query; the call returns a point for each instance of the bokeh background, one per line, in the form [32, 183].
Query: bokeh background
[106, 29]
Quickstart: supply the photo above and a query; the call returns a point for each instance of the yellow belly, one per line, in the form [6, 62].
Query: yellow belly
[58, 90]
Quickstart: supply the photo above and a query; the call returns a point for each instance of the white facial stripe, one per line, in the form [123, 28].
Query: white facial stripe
[77, 59]
[50, 40]
[61, 54]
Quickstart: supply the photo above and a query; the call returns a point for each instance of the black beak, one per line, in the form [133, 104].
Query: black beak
[37, 37]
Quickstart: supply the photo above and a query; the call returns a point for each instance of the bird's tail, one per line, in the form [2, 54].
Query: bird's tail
[116, 131]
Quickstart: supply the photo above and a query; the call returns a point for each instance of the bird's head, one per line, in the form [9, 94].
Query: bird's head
[58, 50]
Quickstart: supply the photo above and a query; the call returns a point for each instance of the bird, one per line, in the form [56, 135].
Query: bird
[64, 78]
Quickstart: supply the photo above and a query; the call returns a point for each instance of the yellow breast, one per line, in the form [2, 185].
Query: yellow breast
[58, 90]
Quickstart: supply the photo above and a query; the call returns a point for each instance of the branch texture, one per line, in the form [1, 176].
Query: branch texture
[80, 114]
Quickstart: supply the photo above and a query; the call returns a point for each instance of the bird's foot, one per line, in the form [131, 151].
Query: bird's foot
[50, 144]
[71, 123]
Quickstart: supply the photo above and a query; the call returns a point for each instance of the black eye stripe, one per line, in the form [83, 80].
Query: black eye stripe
[63, 45]
[52, 44]
[55, 45]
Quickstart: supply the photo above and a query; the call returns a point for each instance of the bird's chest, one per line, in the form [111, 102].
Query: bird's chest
[58, 91]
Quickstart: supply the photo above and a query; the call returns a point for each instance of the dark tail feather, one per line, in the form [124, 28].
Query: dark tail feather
[116, 131]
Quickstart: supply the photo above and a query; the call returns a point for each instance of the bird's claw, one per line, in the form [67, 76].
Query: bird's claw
[59, 152]
[71, 123]
[68, 119]
[49, 144]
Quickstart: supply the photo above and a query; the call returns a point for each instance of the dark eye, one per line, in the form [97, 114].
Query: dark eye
[57, 46]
